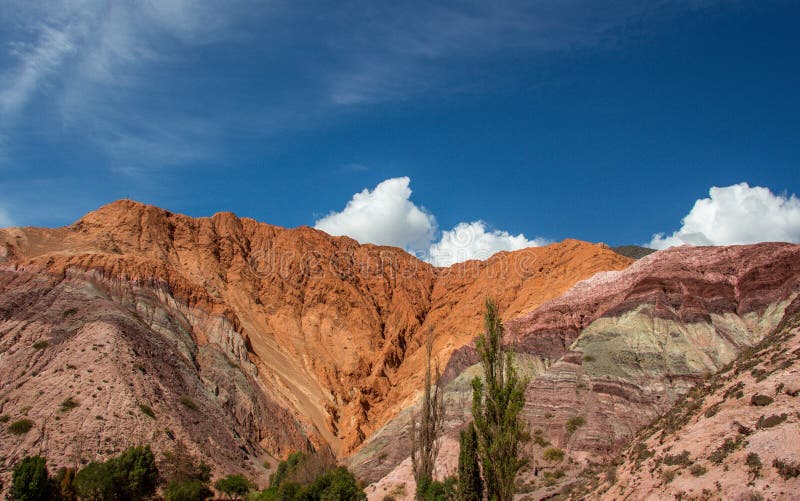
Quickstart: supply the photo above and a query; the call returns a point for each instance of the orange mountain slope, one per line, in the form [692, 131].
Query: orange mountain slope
[332, 329]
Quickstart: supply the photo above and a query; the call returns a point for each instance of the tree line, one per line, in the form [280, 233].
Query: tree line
[134, 475]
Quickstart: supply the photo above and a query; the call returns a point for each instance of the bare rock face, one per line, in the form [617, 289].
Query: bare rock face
[736, 436]
[243, 339]
[622, 348]
[647, 334]
[98, 364]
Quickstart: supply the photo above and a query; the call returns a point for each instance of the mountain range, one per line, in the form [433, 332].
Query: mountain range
[246, 342]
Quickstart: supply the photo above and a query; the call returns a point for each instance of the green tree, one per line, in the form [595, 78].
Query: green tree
[187, 490]
[30, 481]
[337, 484]
[311, 477]
[187, 478]
[470, 484]
[95, 482]
[233, 486]
[135, 473]
[64, 484]
[131, 475]
[425, 440]
[496, 404]
[432, 490]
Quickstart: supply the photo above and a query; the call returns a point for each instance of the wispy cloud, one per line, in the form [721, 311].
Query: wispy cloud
[89, 66]
[119, 75]
[404, 49]
[5, 218]
[55, 42]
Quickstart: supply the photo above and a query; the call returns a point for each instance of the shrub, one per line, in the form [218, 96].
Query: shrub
[760, 400]
[754, 465]
[20, 427]
[30, 481]
[642, 453]
[698, 470]
[147, 411]
[68, 404]
[4, 418]
[769, 422]
[550, 478]
[304, 477]
[188, 403]
[63, 485]
[726, 448]
[131, 475]
[538, 438]
[430, 490]
[677, 459]
[786, 469]
[187, 490]
[40, 345]
[574, 423]
[553, 454]
[233, 486]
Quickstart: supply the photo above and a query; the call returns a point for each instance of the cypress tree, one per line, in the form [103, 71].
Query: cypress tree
[496, 404]
[470, 485]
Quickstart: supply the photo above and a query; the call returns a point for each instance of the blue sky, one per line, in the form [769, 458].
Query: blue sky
[604, 121]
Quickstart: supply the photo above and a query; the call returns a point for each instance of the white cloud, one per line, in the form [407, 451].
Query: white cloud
[383, 216]
[737, 214]
[387, 216]
[473, 241]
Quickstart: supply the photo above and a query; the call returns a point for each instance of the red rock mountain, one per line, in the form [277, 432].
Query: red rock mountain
[243, 340]
[622, 350]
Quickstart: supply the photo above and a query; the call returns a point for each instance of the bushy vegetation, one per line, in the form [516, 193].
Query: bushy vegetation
[432, 490]
[233, 486]
[40, 345]
[30, 481]
[186, 478]
[553, 454]
[188, 403]
[304, 477]
[147, 411]
[131, 475]
[786, 469]
[574, 423]
[730, 445]
[68, 404]
[754, 465]
[681, 459]
[20, 427]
